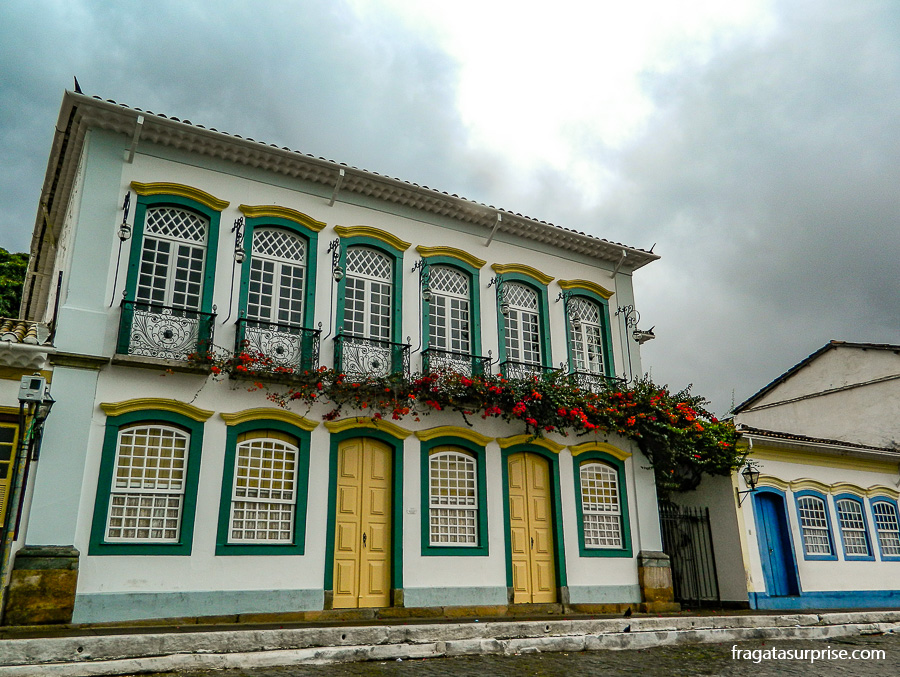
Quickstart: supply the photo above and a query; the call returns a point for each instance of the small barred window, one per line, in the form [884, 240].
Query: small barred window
[887, 527]
[814, 525]
[453, 499]
[601, 506]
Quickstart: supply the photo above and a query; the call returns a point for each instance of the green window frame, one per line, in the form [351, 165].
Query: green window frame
[115, 426]
[543, 316]
[606, 341]
[296, 546]
[477, 453]
[396, 257]
[618, 466]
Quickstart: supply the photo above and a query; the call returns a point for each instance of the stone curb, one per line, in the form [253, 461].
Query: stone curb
[160, 652]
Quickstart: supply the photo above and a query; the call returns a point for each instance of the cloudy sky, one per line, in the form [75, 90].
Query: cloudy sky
[756, 143]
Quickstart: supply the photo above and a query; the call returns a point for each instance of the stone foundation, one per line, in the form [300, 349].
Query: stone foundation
[655, 579]
[42, 586]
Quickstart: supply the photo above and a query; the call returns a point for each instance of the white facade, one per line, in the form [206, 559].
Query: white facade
[101, 389]
[821, 529]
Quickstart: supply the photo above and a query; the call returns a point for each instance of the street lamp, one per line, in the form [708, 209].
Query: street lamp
[750, 473]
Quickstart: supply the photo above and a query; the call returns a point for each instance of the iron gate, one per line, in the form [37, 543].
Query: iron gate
[687, 540]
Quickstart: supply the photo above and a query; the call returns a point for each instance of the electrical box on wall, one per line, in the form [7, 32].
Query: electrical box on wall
[31, 388]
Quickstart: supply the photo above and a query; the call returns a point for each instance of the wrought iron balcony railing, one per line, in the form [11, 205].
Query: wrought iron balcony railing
[434, 359]
[285, 344]
[511, 369]
[595, 383]
[153, 330]
[360, 357]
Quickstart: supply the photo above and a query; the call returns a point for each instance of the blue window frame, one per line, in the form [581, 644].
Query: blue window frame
[887, 527]
[815, 525]
[853, 524]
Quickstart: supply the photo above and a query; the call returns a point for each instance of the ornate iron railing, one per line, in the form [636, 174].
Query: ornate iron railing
[512, 369]
[153, 330]
[358, 357]
[596, 383]
[434, 359]
[285, 344]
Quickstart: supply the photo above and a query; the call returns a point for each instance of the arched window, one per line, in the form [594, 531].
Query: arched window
[453, 498]
[601, 505]
[814, 526]
[368, 294]
[522, 324]
[887, 526]
[146, 497]
[264, 492]
[276, 287]
[449, 311]
[586, 328]
[173, 255]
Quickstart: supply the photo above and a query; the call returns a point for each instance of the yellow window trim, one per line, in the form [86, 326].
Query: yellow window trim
[522, 269]
[16, 374]
[365, 422]
[769, 481]
[376, 233]
[452, 252]
[454, 431]
[180, 190]
[847, 488]
[506, 442]
[269, 414]
[606, 448]
[265, 434]
[276, 212]
[819, 460]
[883, 491]
[807, 483]
[157, 403]
[587, 285]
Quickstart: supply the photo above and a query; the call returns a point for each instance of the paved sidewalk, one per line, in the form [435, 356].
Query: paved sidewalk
[322, 638]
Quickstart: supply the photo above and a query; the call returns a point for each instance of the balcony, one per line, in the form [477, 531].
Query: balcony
[461, 363]
[518, 370]
[361, 358]
[163, 332]
[595, 383]
[286, 345]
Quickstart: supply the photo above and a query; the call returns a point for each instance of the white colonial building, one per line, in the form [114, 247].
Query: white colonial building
[188, 496]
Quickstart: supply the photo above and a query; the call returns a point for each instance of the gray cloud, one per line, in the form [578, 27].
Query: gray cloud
[768, 176]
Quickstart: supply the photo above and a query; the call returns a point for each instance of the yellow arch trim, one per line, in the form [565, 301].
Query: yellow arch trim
[506, 442]
[365, 422]
[180, 190]
[158, 403]
[522, 269]
[769, 481]
[881, 490]
[606, 448]
[376, 233]
[452, 252]
[846, 487]
[276, 212]
[807, 483]
[454, 431]
[587, 285]
[271, 414]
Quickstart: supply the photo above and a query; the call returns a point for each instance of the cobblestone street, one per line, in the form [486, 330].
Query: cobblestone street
[702, 659]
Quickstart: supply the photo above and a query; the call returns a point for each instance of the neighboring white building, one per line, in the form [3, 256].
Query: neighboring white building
[821, 530]
[188, 497]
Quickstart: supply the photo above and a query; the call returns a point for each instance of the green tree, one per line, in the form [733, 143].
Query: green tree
[12, 277]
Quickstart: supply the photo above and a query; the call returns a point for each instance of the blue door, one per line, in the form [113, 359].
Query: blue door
[775, 548]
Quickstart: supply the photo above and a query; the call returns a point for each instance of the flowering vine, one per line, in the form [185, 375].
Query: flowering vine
[681, 439]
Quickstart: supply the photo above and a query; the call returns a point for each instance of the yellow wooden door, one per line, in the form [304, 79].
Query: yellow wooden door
[8, 442]
[531, 529]
[362, 538]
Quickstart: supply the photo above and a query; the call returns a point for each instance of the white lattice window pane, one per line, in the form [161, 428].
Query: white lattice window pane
[531, 350]
[887, 527]
[437, 323]
[449, 281]
[380, 311]
[521, 297]
[261, 289]
[585, 309]
[278, 244]
[188, 282]
[368, 263]
[147, 492]
[853, 527]
[177, 224]
[459, 325]
[453, 498]
[154, 271]
[265, 491]
[601, 506]
[814, 524]
[513, 339]
[290, 292]
[355, 307]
